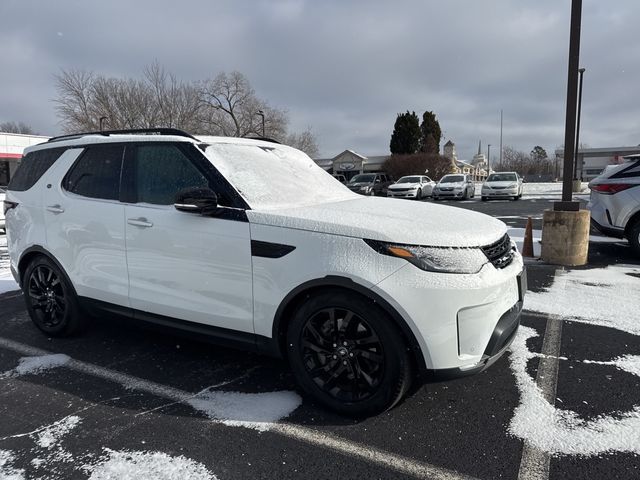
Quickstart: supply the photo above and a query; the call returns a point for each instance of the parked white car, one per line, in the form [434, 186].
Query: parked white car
[456, 185]
[615, 202]
[502, 185]
[412, 186]
[2, 195]
[251, 244]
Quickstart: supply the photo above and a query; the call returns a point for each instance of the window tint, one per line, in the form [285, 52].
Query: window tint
[162, 171]
[96, 174]
[32, 167]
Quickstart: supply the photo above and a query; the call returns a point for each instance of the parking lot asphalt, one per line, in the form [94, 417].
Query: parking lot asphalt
[125, 399]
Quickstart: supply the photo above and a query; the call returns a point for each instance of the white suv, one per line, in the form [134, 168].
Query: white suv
[223, 237]
[615, 202]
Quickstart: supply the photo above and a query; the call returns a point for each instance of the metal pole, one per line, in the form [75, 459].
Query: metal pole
[261, 113]
[488, 158]
[570, 119]
[102, 119]
[500, 136]
[575, 163]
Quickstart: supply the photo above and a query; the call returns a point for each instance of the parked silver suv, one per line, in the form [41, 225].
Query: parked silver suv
[615, 202]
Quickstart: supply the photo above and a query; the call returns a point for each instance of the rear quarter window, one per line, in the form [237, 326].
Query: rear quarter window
[32, 167]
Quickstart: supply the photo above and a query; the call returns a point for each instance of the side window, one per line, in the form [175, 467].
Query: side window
[96, 174]
[32, 167]
[161, 171]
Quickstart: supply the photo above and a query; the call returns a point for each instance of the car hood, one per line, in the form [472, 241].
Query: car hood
[389, 220]
[404, 185]
[500, 184]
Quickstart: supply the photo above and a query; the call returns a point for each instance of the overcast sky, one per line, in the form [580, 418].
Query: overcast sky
[346, 68]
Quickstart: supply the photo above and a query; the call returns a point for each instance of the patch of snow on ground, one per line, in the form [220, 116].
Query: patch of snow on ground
[7, 283]
[38, 364]
[6, 471]
[128, 465]
[251, 410]
[562, 431]
[604, 296]
[52, 434]
[628, 363]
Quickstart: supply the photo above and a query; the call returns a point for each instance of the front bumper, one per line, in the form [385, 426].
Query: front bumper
[500, 193]
[463, 323]
[405, 194]
[448, 193]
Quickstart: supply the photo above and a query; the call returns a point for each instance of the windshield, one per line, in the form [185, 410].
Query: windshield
[502, 177]
[367, 177]
[409, 180]
[452, 179]
[277, 176]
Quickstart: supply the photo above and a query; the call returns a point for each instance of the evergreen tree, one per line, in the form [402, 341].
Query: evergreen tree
[538, 153]
[405, 138]
[430, 133]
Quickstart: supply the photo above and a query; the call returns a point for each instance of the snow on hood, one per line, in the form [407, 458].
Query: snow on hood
[389, 220]
[404, 185]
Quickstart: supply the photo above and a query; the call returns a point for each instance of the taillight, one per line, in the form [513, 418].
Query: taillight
[7, 205]
[611, 188]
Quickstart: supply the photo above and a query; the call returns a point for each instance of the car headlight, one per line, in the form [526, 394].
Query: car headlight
[513, 185]
[434, 259]
[365, 189]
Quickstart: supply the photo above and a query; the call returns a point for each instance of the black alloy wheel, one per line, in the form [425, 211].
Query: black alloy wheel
[342, 354]
[50, 299]
[347, 353]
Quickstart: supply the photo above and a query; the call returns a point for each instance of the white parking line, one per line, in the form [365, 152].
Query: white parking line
[534, 464]
[307, 435]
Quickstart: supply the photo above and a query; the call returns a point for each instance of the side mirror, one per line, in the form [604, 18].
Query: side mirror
[196, 200]
[377, 180]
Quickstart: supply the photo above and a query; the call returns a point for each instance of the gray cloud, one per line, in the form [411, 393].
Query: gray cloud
[347, 68]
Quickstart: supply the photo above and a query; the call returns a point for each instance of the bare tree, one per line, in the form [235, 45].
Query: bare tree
[225, 105]
[305, 141]
[232, 109]
[16, 127]
[521, 162]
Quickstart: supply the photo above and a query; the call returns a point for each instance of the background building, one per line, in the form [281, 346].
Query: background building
[350, 163]
[592, 161]
[12, 146]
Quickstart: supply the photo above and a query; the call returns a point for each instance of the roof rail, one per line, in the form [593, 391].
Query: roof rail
[264, 139]
[134, 131]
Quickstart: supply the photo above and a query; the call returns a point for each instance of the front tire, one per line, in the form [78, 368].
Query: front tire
[346, 353]
[50, 299]
[419, 194]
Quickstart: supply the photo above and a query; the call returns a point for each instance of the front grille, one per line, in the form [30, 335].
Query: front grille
[500, 253]
[400, 189]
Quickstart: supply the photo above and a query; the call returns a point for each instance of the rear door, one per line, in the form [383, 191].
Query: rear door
[84, 221]
[185, 265]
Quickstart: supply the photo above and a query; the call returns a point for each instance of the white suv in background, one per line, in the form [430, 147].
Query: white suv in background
[615, 202]
[224, 238]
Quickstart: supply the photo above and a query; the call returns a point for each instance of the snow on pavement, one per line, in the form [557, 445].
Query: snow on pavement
[559, 431]
[7, 472]
[588, 296]
[35, 365]
[251, 410]
[136, 465]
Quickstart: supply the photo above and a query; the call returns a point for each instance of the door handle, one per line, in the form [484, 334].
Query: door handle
[55, 208]
[139, 222]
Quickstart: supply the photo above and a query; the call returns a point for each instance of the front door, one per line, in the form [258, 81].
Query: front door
[184, 265]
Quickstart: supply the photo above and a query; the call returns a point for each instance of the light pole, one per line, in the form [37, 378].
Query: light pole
[488, 158]
[575, 163]
[261, 113]
[500, 136]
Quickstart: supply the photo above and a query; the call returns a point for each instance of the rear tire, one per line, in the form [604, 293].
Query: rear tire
[50, 299]
[634, 238]
[346, 353]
